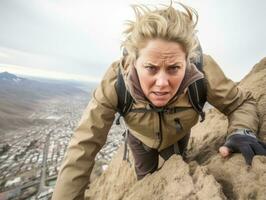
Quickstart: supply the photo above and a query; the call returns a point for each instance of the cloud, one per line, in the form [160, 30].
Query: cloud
[81, 35]
[3, 55]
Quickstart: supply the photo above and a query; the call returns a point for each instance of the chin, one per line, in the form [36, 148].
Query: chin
[159, 104]
[159, 101]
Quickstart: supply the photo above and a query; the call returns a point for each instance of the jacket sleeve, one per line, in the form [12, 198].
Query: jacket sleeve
[87, 140]
[238, 104]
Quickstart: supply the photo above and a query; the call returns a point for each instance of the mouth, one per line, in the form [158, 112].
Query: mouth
[160, 93]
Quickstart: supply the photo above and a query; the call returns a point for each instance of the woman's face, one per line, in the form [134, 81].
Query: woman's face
[161, 68]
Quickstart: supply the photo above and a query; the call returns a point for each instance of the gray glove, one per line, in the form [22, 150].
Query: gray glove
[244, 141]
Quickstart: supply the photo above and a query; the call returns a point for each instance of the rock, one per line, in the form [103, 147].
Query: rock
[236, 180]
[183, 182]
[115, 181]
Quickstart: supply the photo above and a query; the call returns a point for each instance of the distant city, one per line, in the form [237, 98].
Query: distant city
[30, 159]
[30, 156]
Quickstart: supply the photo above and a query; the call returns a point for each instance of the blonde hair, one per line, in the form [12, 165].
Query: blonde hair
[166, 23]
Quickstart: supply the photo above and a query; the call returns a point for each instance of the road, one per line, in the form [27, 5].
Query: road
[42, 186]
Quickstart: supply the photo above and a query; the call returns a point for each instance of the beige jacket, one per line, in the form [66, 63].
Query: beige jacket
[153, 129]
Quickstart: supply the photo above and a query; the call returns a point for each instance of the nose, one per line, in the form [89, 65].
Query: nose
[162, 80]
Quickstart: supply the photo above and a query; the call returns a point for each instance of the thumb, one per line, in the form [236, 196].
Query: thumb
[224, 151]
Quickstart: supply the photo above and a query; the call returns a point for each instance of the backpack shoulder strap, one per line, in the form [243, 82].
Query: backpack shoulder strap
[197, 91]
[124, 104]
[124, 98]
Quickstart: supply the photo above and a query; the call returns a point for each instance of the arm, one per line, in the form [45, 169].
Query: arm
[241, 109]
[239, 105]
[87, 140]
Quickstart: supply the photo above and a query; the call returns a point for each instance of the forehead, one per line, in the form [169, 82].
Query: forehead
[160, 50]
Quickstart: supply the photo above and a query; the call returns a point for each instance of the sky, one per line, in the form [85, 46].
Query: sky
[79, 39]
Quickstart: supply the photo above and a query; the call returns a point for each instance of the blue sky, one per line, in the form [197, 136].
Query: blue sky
[79, 39]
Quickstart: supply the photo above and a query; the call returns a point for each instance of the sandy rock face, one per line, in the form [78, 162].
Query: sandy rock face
[206, 175]
[175, 180]
[236, 179]
[115, 181]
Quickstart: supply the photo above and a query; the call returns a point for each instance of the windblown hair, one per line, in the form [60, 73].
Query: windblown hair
[166, 23]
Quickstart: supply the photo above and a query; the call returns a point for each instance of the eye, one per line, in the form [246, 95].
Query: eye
[151, 68]
[173, 69]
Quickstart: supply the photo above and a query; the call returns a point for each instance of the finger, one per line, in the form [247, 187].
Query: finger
[247, 152]
[224, 151]
[258, 149]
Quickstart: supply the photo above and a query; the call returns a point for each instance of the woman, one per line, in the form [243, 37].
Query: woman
[161, 46]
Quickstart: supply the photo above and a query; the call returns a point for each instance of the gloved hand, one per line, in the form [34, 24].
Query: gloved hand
[243, 141]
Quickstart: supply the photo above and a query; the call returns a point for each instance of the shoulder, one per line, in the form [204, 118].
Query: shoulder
[208, 61]
[105, 92]
[211, 69]
[112, 70]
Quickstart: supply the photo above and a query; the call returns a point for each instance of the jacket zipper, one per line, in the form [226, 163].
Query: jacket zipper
[160, 134]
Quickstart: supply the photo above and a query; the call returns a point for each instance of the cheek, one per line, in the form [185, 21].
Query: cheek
[145, 82]
[176, 82]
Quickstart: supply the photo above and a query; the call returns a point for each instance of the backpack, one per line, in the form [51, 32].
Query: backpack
[197, 92]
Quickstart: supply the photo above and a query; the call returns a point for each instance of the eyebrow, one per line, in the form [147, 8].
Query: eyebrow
[172, 65]
[150, 64]
[175, 65]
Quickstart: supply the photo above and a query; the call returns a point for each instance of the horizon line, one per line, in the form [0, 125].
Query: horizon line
[40, 73]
